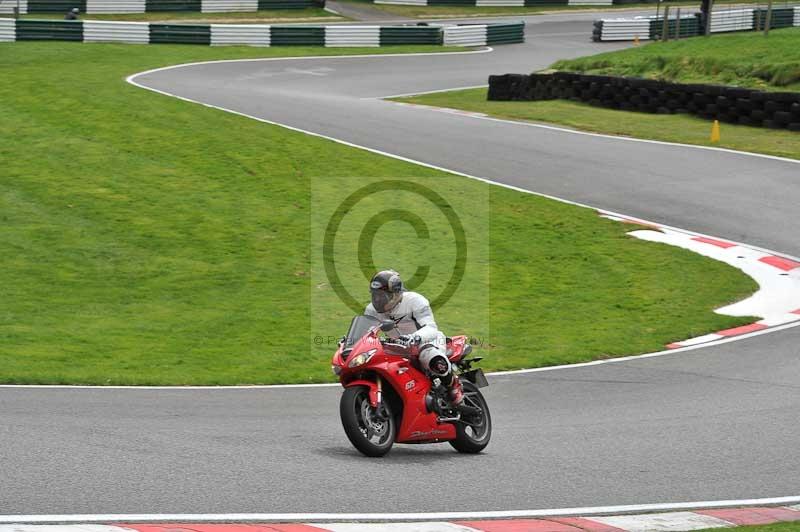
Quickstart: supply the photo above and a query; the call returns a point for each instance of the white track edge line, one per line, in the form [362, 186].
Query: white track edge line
[629, 358]
[131, 79]
[425, 92]
[289, 517]
[483, 50]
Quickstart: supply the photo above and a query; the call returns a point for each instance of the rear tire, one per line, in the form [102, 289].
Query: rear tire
[369, 432]
[473, 438]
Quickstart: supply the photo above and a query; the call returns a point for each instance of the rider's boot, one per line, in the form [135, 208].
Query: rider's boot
[456, 391]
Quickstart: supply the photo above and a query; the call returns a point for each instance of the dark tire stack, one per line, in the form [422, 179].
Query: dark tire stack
[735, 105]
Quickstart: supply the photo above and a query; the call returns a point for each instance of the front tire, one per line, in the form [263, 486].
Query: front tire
[474, 432]
[370, 431]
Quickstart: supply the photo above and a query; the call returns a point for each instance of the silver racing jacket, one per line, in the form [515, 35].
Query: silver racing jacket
[413, 315]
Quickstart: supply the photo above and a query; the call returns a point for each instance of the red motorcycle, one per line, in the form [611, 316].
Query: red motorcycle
[388, 398]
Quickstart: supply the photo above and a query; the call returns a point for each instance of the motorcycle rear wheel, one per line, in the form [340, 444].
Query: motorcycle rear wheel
[370, 431]
[473, 433]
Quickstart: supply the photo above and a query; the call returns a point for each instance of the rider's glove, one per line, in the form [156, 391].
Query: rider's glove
[408, 339]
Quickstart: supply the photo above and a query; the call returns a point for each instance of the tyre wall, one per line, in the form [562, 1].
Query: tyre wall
[259, 34]
[778, 110]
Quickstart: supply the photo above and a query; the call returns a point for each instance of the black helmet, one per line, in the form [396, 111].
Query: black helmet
[386, 288]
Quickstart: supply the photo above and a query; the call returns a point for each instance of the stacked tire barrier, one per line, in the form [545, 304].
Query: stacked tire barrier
[778, 110]
[153, 6]
[645, 28]
[483, 34]
[258, 34]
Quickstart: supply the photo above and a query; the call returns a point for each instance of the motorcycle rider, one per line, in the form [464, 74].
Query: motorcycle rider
[415, 324]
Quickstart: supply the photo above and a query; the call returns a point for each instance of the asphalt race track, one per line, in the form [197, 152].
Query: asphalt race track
[707, 424]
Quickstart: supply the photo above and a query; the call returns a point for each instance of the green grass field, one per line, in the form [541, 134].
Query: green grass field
[671, 128]
[311, 14]
[777, 527]
[147, 240]
[747, 59]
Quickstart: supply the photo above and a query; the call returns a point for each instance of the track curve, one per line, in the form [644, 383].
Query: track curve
[710, 424]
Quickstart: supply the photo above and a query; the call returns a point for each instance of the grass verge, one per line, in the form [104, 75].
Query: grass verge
[147, 240]
[683, 129]
[777, 527]
[747, 59]
[311, 14]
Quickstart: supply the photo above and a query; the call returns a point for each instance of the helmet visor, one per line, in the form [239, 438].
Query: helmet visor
[382, 300]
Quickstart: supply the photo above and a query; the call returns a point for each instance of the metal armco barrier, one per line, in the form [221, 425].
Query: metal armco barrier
[220, 6]
[689, 27]
[298, 36]
[745, 19]
[49, 30]
[54, 6]
[109, 31]
[465, 35]
[153, 6]
[241, 34]
[259, 34]
[782, 17]
[621, 29]
[505, 33]
[180, 33]
[410, 35]
[499, 3]
[733, 20]
[352, 36]
[777, 110]
[115, 6]
[7, 30]
[166, 6]
[7, 8]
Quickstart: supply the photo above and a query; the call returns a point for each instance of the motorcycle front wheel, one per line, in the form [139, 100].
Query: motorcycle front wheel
[370, 430]
[474, 431]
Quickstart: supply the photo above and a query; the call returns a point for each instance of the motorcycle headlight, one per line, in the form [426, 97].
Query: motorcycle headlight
[361, 358]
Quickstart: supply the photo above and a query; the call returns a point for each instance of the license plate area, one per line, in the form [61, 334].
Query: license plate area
[476, 377]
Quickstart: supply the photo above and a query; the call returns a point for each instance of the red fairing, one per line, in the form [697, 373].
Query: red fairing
[397, 368]
[455, 348]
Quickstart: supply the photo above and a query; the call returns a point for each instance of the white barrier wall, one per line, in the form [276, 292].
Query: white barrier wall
[403, 2]
[115, 6]
[465, 35]
[626, 29]
[7, 30]
[797, 16]
[7, 6]
[352, 36]
[109, 31]
[242, 34]
[218, 6]
[590, 2]
[733, 20]
[500, 3]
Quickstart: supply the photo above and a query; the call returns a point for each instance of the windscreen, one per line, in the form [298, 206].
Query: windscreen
[358, 328]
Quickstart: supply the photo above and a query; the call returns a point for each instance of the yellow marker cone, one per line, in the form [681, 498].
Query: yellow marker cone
[715, 131]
